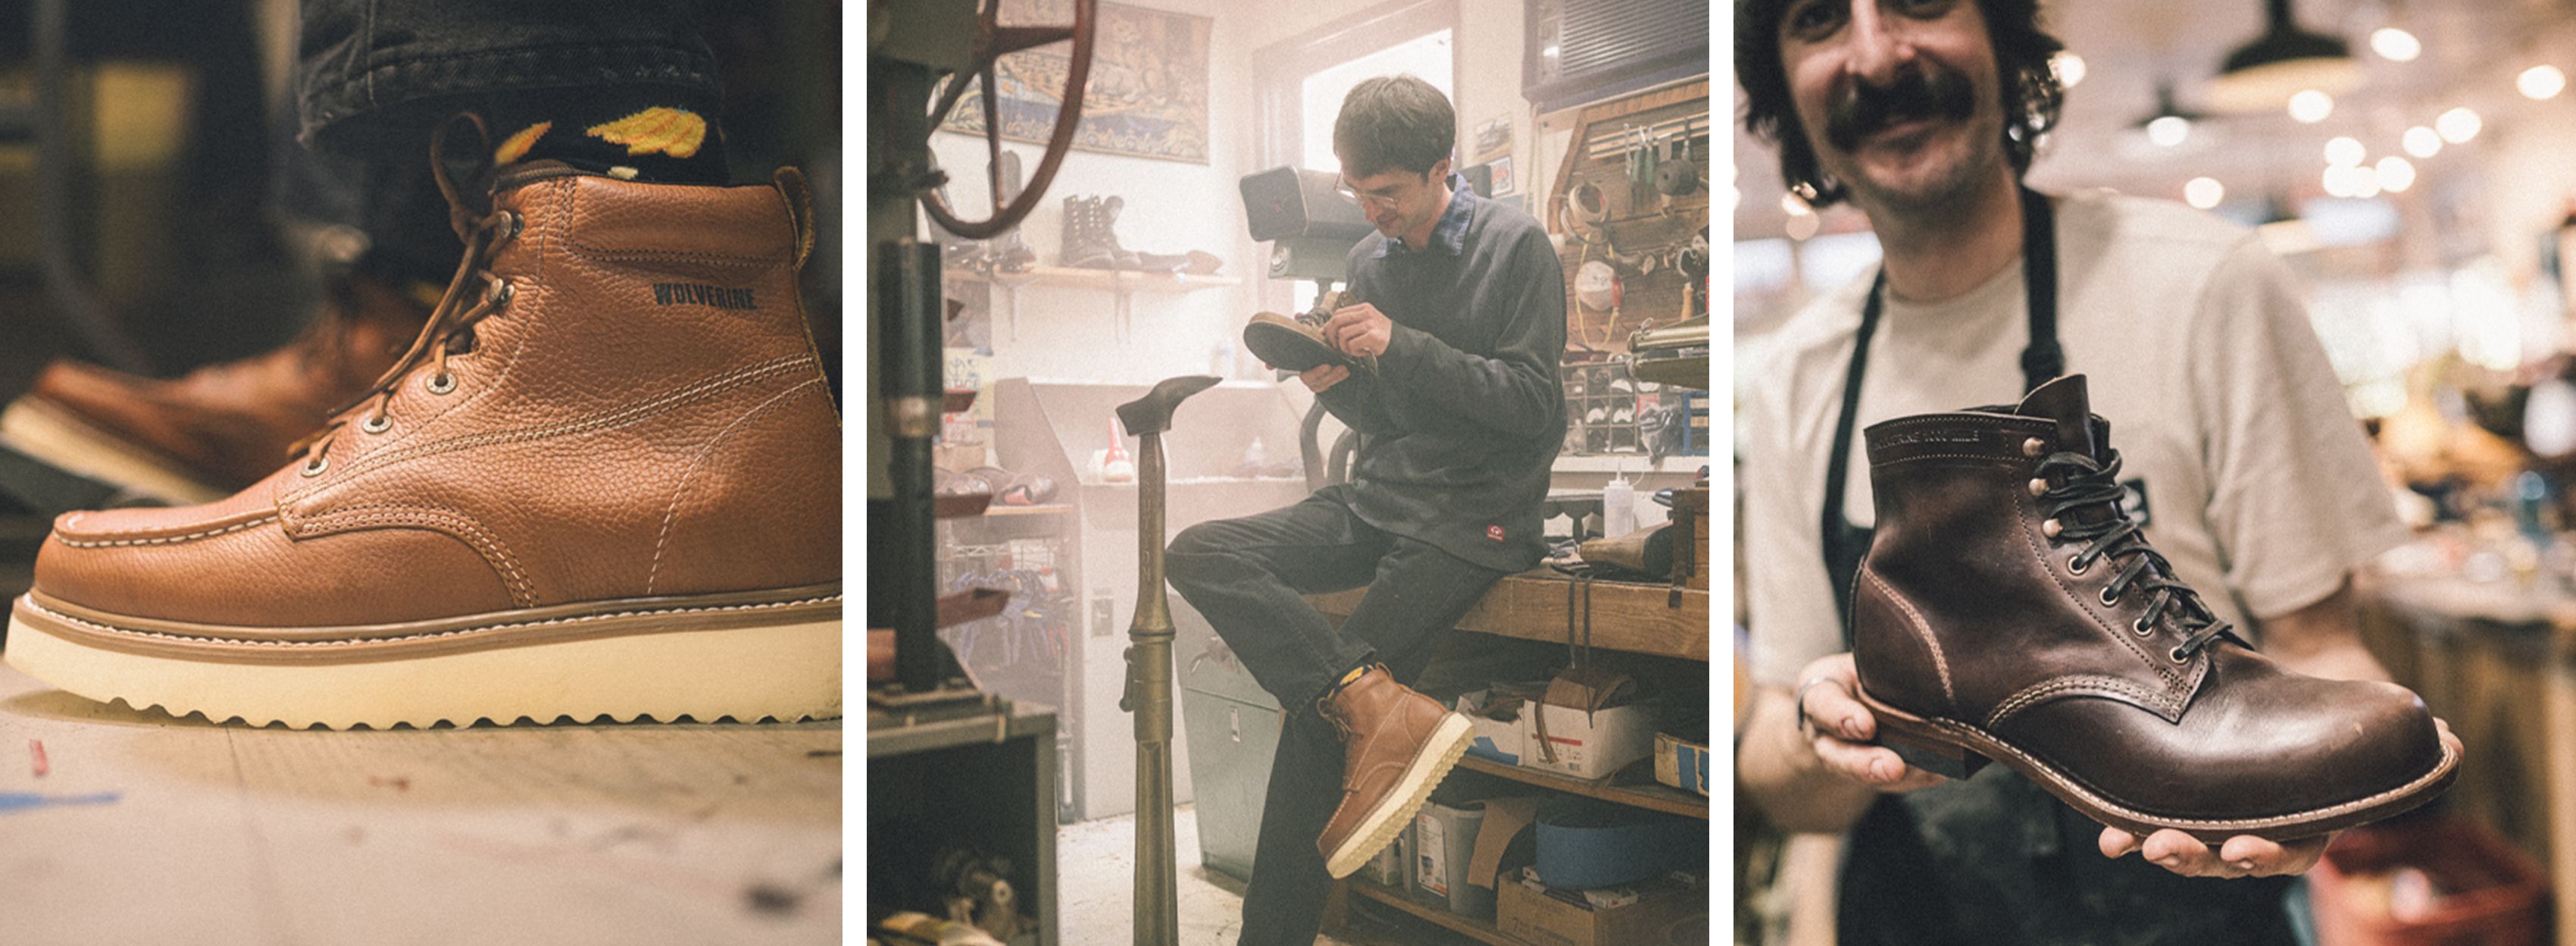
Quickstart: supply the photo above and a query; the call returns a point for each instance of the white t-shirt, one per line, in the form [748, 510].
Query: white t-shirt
[2259, 484]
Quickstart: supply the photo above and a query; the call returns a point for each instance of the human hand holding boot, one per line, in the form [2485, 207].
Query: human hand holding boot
[1322, 377]
[1360, 331]
[1839, 730]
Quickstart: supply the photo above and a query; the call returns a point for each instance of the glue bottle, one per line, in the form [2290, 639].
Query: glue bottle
[1618, 506]
[1115, 467]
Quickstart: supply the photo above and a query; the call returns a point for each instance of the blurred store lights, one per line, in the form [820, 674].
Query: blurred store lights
[2168, 130]
[2395, 45]
[2458, 125]
[2396, 174]
[2068, 66]
[2423, 142]
[2345, 151]
[2311, 106]
[2204, 192]
[2541, 82]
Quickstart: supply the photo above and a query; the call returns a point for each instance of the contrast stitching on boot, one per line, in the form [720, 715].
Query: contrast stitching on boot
[2449, 759]
[603, 254]
[638, 412]
[1914, 619]
[165, 540]
[2041, 692]
[662, 542]
[481, 540]
[479, 629]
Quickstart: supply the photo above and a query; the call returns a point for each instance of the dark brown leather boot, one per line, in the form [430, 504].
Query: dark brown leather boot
[604, 481]
[1399, 744]
[199, 437]
[2009, 610]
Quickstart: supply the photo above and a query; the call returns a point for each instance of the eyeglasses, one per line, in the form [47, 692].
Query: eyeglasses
[1343, 187]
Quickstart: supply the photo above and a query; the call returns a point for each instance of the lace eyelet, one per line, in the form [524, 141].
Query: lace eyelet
[2109, 599]
[2051, 528]
[2033, 447]
[517, 223]
[2039, 486]
[2140, 627]
[377, 424]
[501, 293]
[2077, 565]
[316, 467]
[2177, 655]
[440, 383]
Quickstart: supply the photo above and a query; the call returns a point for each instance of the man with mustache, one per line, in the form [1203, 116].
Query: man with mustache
[2242, 459]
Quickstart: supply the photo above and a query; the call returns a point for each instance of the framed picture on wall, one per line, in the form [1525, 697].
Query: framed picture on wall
[1148, 95]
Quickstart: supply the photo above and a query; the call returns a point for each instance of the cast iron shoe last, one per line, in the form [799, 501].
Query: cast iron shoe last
[2009, 611]
[1398, 745]
[604, 481]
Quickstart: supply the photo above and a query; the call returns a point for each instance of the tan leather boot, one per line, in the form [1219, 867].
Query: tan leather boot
[1398, 745]
[605, 481]
[199, 437]
[2009, 611]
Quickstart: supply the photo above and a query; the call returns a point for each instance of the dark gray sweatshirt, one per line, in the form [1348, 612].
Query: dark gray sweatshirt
[1464, 416]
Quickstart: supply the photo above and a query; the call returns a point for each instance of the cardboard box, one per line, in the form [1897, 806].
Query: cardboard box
[1681, 763]
[1586, 744]
[1444, 842]
[1499, 739]
[1645, 914]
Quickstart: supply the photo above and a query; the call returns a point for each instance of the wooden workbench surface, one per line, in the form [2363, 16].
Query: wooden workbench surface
[151, 829]
[1532, 606]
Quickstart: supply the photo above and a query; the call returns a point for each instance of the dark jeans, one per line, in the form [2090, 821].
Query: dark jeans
[1246, 576]
[375, 77]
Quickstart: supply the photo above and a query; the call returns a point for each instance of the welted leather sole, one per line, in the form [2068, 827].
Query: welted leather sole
[54, 434]
[1379, 827]
[705, 657]
[1957, 749]
[1287, 344]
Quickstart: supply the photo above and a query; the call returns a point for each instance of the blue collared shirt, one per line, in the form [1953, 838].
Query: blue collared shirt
[1450, 234]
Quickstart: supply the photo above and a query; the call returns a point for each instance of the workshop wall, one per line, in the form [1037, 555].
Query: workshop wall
[1066, 332]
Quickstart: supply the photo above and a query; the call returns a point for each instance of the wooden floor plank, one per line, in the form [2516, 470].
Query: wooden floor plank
[558, 834]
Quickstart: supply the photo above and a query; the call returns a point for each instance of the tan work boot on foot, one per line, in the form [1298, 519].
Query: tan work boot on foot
[199, 437]
[1399, 744]
[604, 482]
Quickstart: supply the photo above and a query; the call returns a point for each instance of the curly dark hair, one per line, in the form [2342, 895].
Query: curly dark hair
[2031, 93]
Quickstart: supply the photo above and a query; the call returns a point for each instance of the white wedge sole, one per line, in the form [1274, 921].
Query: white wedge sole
[1393, 812]
[748, 662]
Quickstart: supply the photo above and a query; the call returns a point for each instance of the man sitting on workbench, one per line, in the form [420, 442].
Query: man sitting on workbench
[1461, 304]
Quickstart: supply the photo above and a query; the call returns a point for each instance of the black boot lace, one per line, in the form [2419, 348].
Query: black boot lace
[2085, 484]
[473, 294]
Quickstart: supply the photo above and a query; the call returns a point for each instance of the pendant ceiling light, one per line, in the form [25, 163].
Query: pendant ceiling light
[2284, 61]
[2169, 126]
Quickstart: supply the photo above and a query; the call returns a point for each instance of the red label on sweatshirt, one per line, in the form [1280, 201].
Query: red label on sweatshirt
[1494, 533]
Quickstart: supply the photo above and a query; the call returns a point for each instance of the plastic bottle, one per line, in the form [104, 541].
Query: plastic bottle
[1115, 467]
[1618, 507]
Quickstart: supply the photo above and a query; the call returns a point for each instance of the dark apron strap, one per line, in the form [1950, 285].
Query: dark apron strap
[2042, 361]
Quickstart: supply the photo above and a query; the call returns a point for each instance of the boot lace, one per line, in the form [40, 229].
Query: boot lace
[473, 294]
[2086, 483]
